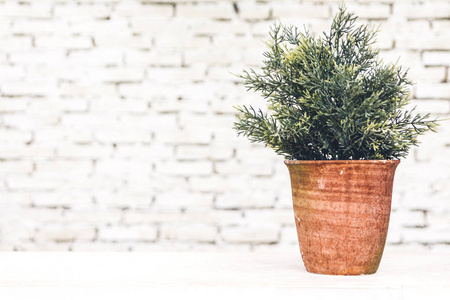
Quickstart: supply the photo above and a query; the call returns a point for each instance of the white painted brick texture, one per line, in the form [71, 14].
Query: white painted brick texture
[116, 116]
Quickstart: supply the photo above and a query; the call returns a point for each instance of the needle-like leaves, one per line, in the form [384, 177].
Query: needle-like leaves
[330, 97]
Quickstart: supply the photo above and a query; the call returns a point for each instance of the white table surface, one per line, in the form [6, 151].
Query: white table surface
[403, 274]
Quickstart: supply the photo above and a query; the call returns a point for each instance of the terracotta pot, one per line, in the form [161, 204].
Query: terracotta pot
[342, 211]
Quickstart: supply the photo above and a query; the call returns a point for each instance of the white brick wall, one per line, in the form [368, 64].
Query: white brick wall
[115, 124]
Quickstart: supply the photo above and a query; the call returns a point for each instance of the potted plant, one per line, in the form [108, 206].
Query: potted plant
[336, 113]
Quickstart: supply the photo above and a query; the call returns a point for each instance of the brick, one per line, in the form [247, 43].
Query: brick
[218, 184]
[433, 90]
[147, 25]
[199, 105]
[190, 120]
[52, 200]
[370, 11]
[132, 217]
[11, 73]
[441, 25]
[81, 121]
[257, 152]
[119, 106]
[53, 136]
[254, 57]
[252, 234]
[83, 89]
[67, 233]
[13, 150]
[421, 11]
[213, 56]
[434, 107]
[64, 167]
[202, 152]
[288, 236]
[422, 74]
[40, 26]
[300, 10]
[208, 27]
[83, 151]
[178, 75]
[175, 41]
[224, 106]
[14, 43]
[424, 235]
[242, 199]
[89, 27]
[108, 200]
[38, 57]
[123, 166]
[91, 216]
[394, 235]
[16, 235]
[137, 91]
[145, 152]
[150, 122]
[100, 246]
[153, 58]
[183, 137]
[121, 233]
[30, 121]
[254, 167]
[210, 11]
[96, 57]
[430, 142]
[69, 11]
[26, 10]
[262, 29]
[424, 42]
[385, 42]
[122, 41]
[439, 221]
[184, 168]
[280, 217]
[213, 217]
[63, 42]
[15, 167]
[55, 246]
[189, 232]
[436, 58]
[227, 41]
[164, 182]
[28, 88]
[250, 11]
[227, 136]
[122, 136]
[15, 136]
[72, 105]
[134, 9]
[13, 105]
[415, 219]
[117, 74]
[33, 183]
[177, 200]
[397, 26]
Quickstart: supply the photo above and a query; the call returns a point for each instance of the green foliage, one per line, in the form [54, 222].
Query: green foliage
[330, 97]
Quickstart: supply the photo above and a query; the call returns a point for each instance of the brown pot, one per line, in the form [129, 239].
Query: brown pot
[342, 210]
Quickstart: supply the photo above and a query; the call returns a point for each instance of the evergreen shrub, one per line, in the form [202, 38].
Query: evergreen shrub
[331, 97]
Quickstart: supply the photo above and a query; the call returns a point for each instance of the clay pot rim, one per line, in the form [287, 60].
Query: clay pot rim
[329, 161]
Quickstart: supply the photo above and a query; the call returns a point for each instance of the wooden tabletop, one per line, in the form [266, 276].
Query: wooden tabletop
[403, 274]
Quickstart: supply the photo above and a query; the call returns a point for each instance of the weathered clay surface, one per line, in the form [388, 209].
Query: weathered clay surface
[342, 211]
